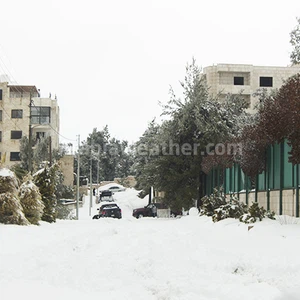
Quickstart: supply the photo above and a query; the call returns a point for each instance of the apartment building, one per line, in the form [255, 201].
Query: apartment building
[22, 107]
[235, 78]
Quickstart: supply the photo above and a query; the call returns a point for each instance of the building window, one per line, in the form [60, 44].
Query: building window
[16, 135]
[238, 80]
[15, 156]
[0, 136]
[16, 113]
[0, 94]
[0, 115]
[40, 115]
[40, 135]
[266, 81]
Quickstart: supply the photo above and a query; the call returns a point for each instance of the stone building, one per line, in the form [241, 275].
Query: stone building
[21, 108]
[234, 78]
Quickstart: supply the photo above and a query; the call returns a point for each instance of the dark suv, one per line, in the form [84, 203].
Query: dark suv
[109, 210]
[106, 195]
[150, 211]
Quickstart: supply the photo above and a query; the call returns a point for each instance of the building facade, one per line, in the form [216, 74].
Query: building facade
[247, 79]
[22, 109]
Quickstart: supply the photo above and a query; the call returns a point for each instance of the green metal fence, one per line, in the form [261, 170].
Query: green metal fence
[280, 174]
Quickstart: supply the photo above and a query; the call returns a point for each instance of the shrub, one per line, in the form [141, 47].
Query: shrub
[256, 213]
[233, 209]
[212, 202]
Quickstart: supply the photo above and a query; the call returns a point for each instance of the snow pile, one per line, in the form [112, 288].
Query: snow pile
[189, 258]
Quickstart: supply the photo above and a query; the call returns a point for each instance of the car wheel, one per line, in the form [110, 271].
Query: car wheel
[140, 216]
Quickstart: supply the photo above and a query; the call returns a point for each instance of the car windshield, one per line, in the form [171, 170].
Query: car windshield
[110, 207]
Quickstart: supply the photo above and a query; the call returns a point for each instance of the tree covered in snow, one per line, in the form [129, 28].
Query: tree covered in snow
[193, 122]
[45, 179]
[295, 42]
[144, 155]
[11, 211]
[31, 201]
[40, 153]
[110, 158]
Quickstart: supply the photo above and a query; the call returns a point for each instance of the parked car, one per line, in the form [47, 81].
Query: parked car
[109, 210]
[117, 188]
[150, 210]
[106, 195]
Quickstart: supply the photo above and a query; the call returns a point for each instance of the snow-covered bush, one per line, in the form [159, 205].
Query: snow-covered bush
[256, 213]
[212, 202]
[31, 201]
[8, 181]
[233, 209]
[11, 211]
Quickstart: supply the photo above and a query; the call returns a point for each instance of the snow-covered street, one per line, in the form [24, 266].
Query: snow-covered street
[161, 259]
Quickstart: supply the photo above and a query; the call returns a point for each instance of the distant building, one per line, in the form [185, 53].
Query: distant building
[19, 104]
[67, 167]
[234, 78]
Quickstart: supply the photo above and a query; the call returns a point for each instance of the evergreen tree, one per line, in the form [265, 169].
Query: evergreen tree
[11, 211]
[193, 123]
[295, 42]
[109, 157]
[45, 179]
[145, 153]
[31, 201]
[24, 153]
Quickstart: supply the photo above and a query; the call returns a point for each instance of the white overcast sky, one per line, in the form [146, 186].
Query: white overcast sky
[111, 62]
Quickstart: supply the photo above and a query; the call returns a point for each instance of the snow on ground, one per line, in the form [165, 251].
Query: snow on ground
[157, 259]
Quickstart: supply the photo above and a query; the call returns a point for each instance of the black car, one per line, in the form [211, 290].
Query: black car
[151, 211]
[109, 210]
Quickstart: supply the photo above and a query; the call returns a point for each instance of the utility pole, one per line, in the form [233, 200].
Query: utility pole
[98, 160]
[78, 175]
[30, 136]
[91, 180]
[50, 150]
[91, 188]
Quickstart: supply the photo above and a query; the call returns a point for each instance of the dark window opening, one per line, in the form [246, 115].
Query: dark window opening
[15, 156]
[40, 115]
[238, 81]
[0, 94]
[0, 136]
[266, 81]
[16, 135]
[40, 135]
[0, 115]
[16, 113]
